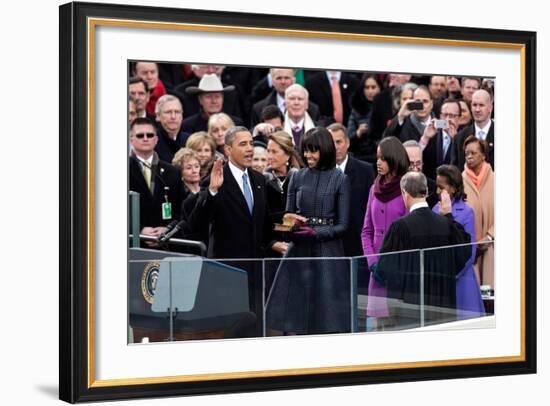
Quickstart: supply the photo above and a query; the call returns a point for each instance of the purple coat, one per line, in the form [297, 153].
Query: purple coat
[378, 219]
[469, 303]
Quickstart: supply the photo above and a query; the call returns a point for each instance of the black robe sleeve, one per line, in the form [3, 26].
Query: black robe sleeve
[399, 270]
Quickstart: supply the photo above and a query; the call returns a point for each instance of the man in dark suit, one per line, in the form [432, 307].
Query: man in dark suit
[281, 79]
[437, 140]
[237, 230]
[170, 135]
[360, 176]
[331, 91]
[409, 124]
[234, 209]
[157, 182]
[422, 229]
[483, 128]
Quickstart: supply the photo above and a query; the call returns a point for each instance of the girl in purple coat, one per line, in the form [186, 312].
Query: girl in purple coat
[385, 205]
[468, 296]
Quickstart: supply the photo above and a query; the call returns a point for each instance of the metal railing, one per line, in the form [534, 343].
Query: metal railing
[175, 241]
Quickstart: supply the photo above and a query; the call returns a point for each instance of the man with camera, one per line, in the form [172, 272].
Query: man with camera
[437, 139]
[413, 117]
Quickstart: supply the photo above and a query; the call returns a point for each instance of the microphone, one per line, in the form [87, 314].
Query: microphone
[170, 233]
[169, 227]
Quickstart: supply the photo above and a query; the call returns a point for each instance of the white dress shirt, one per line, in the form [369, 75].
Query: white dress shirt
[238, 175]
[342, 166]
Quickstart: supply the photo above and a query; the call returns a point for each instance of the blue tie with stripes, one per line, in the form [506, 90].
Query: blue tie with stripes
[247, 193]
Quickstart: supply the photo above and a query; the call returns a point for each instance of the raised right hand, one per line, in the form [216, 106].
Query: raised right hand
[216, 176]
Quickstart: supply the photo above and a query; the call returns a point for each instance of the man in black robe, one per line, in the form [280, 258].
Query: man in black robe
[424, 268]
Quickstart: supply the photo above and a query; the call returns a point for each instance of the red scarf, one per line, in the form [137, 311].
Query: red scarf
[387, 190]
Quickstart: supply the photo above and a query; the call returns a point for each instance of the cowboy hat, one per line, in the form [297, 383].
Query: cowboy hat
[209, 84]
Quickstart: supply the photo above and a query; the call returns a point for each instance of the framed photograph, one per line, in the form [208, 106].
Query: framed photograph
[104, 356]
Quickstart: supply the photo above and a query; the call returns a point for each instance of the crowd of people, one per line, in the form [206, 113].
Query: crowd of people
[353, 161]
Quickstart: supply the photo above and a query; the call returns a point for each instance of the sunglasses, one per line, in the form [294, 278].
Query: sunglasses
[141, 135]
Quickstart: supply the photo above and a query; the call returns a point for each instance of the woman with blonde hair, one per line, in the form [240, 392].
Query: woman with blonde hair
[218, 124]
[187, 162]
[205, 147]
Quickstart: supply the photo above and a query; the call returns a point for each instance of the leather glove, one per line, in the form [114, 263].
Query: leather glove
[304, 232]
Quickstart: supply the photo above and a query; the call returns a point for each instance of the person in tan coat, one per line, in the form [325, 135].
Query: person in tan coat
[479, 187]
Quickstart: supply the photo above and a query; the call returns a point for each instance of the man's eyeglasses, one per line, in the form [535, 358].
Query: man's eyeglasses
[141, 135]
[449, 115]
[416, 164]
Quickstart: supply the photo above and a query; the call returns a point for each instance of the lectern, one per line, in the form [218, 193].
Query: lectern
[181, 297]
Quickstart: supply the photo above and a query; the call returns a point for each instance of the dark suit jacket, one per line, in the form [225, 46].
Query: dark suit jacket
[404, 132]
[457, 156]
[167, 147]
[234, 233]
[164, 175]
[244, 79]
[320, 92]
[260, 90]
[382, 113]
[361, 176]
[433, 155]
[271, 98]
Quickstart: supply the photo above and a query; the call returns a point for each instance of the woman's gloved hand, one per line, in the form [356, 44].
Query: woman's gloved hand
[304, 232]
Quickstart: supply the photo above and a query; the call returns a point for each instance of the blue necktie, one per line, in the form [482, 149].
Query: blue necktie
[247, 193]
[446, 142]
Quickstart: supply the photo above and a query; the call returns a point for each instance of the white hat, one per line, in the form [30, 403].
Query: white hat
[209, 84]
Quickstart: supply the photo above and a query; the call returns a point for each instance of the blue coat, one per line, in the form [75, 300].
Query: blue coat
[468, 297]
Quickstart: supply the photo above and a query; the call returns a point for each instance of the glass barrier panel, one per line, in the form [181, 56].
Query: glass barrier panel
[178, 296]
[308, 296]
[184, 297]
[421, 288]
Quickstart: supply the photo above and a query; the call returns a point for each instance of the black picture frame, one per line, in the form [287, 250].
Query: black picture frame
[75, 380]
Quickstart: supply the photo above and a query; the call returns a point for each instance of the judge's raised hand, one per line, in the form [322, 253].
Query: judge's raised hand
[445, 206]
[216, 176]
